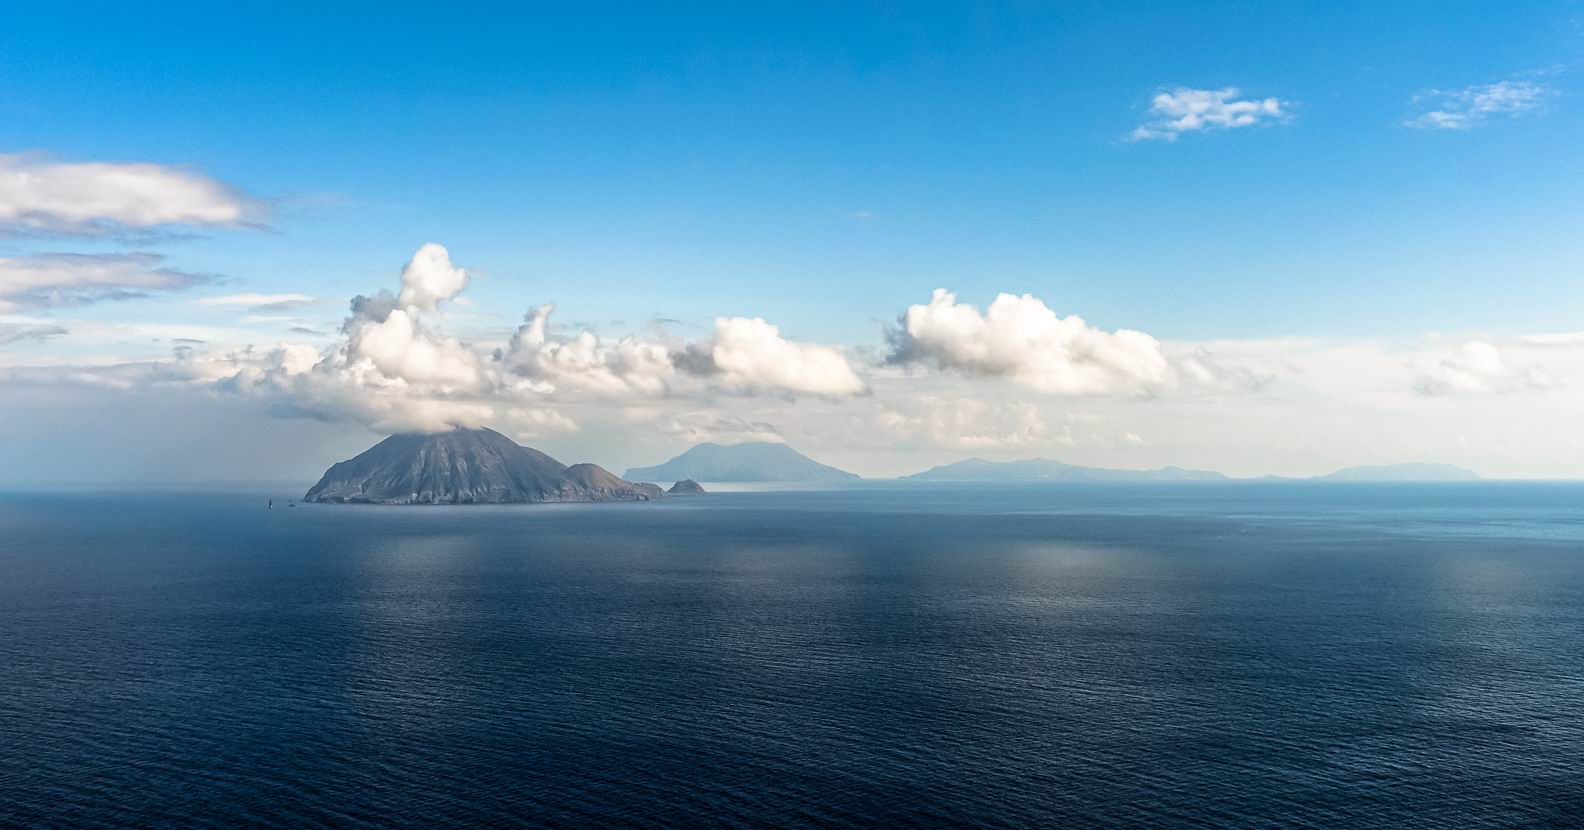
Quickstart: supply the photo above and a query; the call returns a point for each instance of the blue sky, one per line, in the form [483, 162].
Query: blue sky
[825, 166]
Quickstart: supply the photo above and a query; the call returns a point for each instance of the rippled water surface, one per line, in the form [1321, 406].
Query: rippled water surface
[881, 656]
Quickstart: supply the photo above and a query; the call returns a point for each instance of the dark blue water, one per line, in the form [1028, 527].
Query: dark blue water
[1034, 656]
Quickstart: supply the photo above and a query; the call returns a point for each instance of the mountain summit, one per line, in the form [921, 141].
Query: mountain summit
[752, 461]
[467, 466]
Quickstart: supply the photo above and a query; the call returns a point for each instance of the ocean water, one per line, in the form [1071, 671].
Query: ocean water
[1282, 655]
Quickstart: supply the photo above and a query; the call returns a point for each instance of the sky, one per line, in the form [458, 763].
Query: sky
[1255, 238]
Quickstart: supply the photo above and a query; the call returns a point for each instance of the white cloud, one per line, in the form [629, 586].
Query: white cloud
[395, 370]
[1480, 367]
[391, 371]
[1022, 339]
[750, 354]
[262, 302]
[400, 348]
[429, 279]
[49, 280]
[93, 198]
[1471, 106]
[586, 361]
[1183, 110]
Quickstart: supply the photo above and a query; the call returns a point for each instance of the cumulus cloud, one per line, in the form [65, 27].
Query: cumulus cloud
[1023, 339]
[393, 369]
[1479, 367]
[429, 279]
[1463, 109]
[49, 280]
[750, 354]
[586, 361]
[97, 198]
[1184, 110]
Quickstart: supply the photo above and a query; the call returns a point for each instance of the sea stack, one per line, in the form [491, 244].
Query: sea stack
[468, 466]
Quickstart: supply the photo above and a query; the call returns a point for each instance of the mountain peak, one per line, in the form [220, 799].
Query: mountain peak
[748, 461]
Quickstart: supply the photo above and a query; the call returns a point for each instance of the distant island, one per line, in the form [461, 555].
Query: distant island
[686, 487]
[1043, 469]
[748, 462]
[468, 466]
[1401, 472]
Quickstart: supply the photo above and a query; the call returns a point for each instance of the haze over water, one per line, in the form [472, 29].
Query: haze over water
[1240, 655]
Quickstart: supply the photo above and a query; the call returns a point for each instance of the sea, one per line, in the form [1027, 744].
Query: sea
[884, 655]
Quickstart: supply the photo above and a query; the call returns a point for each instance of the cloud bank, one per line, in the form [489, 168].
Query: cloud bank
[394, 370]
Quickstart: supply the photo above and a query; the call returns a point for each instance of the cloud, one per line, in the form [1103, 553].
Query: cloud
[586, 361]
[1183, 110]
[393, 370]
[1022, 339]
[1479, 367]
[972, 424]
[429, 279]
[1471, 106]
[1563, 339]
[694, 426]
[50, 280]
[1200, 368]
[98, 198]
[751, 355]
[260, 302]
[15, 332]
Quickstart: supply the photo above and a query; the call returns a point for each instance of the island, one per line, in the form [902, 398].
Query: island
[686, 487]
[1402, 473]
[468, 466]
[1044, 469]
[753, 461]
